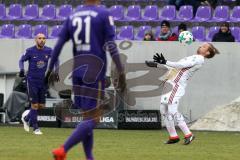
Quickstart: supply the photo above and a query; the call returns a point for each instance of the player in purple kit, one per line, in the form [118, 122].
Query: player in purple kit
[37, 57]
[91, 30]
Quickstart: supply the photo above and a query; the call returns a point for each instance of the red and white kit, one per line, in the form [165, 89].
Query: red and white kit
[178, 75]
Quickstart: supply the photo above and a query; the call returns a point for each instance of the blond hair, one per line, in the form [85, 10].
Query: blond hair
[212, 51]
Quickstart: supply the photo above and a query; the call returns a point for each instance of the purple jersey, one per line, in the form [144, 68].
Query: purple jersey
[38, 61]
[89, 28]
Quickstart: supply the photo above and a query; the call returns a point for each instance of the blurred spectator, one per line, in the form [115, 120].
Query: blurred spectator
[224, 34]
[177, 3]
[166, 33]
[149, 36]
[182, 27]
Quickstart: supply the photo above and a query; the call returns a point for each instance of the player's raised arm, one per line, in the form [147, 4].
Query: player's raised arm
[183, 63]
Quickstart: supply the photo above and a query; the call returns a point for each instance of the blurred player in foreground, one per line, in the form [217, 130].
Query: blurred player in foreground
[179, 74]
[37, 57]
[91, 32]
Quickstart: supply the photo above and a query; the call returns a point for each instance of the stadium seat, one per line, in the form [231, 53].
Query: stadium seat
[211, 32]
[236, 33]
[31, 12]
[48, 13]
[150, 13]
[141, 32]
[199, 33]
[117, 11]
[64, 11]
[102, 6]
[168, 13]
[185, 13]
[78, 7]
[7, 31]
[235, 16]
[2, 11]
[157, 31]
[24, 31]
[126, 32]
[133, 13]
[221, 14]
[15, 12]
[55, 31]
[41, 28]
[175, 30]
[204, 13]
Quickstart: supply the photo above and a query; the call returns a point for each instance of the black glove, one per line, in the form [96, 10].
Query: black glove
[159, 59]
[121, 82]
[151, 64]
[21, 73]
[51, 78]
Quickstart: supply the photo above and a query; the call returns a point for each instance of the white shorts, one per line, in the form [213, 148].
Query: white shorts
[174, 95]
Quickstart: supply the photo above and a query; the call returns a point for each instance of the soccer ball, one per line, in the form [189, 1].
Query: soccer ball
[185, 38]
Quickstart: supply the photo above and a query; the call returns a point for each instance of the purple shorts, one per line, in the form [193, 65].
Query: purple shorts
[87, 96]
[36, 91]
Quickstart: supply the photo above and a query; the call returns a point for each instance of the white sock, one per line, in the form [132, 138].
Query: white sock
[169, 121]
[182, 124]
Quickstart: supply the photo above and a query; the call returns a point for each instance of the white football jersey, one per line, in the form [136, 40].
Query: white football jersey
[181, 71]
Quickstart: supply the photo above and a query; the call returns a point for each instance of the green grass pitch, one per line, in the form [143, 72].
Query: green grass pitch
[16, 144]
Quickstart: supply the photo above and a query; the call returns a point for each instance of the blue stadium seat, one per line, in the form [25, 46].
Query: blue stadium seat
[48, 13]
[41, 28]
[15, 12]
[126, 33]
[199, 33]
[64, 11]
[55, 31]
[168, 13]
[2, 11]
[7, 31]
[31, 12]
[24, 31]
[141, 32]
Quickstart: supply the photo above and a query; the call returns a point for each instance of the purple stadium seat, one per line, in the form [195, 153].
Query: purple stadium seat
[204, 13]
[185, 13]
[236, 33]
[168, 13]
[102, 6]
[175, 30]
[78, 7]
[150, 13]
[24, 31]
[48, 13]
[126, 32]
[221, 14]
[7, 31]
[157, 31]
[211, 32]
[31, 12]
[15, 12]
[117, 12]
[141, 32]
[133, 13]
[41, 28]
[2, 11]
[235, 16]
[64, 11]
[55, 31]
[199, 33]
